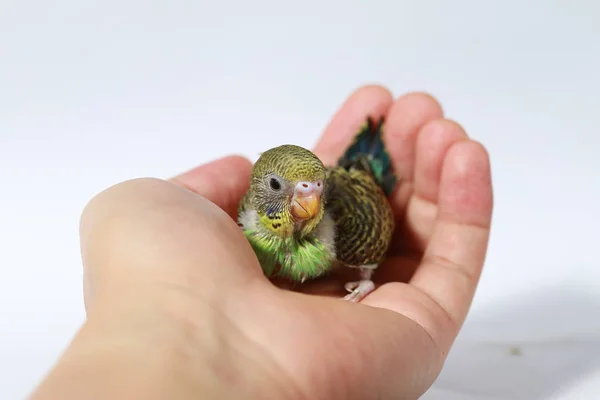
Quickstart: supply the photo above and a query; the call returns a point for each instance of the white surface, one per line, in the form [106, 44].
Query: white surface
[93, 93]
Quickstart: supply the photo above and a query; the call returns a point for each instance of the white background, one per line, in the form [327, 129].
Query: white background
[96, 92]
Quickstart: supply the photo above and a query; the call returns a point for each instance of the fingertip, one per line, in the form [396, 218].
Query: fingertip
[410, 112]
[469, 160]
[466, 194]
[425, 99]
[444, 127]
[368, 100]
[233, 162]
[372, 90]
[101, 204]
[433, 142]
[223, 181]
[407, 115]
[439, 134]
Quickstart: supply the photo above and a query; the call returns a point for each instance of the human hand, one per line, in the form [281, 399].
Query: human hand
[174, 292]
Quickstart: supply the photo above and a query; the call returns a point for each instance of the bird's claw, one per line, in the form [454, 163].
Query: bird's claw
[358, 290]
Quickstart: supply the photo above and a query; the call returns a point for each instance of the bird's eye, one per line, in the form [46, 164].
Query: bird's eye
[274, 183]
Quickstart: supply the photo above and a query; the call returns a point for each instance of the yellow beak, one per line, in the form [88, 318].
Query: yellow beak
[306, 207]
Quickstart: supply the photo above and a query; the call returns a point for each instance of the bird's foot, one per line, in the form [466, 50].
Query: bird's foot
[359, 290]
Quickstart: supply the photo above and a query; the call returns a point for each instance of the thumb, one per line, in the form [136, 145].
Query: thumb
[148, 235]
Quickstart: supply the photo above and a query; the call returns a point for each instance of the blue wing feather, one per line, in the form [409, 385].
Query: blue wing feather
[368, 152]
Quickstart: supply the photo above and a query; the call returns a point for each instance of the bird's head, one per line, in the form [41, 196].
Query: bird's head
[287, 187]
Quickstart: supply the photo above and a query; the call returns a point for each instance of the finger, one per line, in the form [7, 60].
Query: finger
[441, 290]
[223, 181]
[371, 100]
[453, 260]
[405, 118]
[151, 233]
[433, 141]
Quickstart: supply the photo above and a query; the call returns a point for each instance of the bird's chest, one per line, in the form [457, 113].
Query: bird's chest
[292, 258]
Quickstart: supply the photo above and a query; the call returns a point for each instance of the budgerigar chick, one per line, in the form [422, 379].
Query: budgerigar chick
[300, 216]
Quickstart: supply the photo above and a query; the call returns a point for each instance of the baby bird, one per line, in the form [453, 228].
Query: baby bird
[301, 217]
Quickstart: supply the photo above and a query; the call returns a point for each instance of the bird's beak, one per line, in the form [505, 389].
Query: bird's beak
[306, 200]
[306, 207]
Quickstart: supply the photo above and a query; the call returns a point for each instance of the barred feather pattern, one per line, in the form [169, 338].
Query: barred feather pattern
[362, 214]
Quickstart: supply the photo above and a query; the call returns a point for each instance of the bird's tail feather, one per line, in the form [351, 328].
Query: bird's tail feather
[368, 152]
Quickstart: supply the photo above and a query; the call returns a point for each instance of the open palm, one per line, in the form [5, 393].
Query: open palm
[397, 338]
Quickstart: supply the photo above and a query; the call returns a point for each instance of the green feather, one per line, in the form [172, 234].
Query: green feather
[297, 259]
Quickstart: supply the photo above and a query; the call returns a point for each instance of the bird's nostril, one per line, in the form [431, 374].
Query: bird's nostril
[305, 185]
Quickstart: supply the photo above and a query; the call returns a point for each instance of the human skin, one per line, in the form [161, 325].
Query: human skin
[177, 306]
